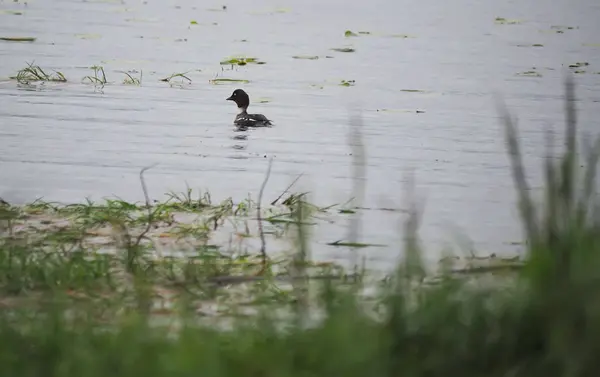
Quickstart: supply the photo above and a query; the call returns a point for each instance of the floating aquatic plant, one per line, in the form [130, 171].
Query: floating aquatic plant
[343, 49]
[579, 65]
[18, 39]
[530, 45]
[305, 57]
[241, 60]
[36, 73]
[99, 77]
[350, 33]
[347, 82]
[217, 81]
[530, 74]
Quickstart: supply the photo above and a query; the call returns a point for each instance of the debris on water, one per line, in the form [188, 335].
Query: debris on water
[530, 45]
[347, 82]
[343, 49]
[563, 27]
[400, 111]
[350, 33]
[412, 90]
[13, 12]
[306, 57]
[354, 244]
[579, 65]
[505, 21]
[18, 39]
[227, 81]
[193, 22]
[530, 74]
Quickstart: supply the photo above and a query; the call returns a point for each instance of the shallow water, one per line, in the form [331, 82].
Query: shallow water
[69, 141]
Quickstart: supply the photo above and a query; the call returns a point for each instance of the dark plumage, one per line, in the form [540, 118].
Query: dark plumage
[243, 119]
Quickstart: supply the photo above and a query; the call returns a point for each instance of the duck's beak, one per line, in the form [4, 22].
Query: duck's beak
[230, 98]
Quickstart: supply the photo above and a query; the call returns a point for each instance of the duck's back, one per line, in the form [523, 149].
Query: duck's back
[252, 120]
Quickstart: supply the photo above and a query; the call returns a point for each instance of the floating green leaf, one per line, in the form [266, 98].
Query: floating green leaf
[241, 60]
[18, 39]
[349, 33]
[306, 57]
[347, 83]
[193, 22]
[227, 81]
[343, 49]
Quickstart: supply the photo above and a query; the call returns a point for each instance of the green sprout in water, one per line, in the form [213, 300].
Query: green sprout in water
[96, 79]
[130, 80]
[183, 76]
[35, 73]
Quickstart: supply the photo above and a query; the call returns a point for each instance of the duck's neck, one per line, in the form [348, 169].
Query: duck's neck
[242, 110]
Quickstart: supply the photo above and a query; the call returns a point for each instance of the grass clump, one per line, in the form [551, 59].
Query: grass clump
[131, 80]
[99, 77]
[34, 73]
[539, 320]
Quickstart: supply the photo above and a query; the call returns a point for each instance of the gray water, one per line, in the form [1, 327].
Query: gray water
[66, 142]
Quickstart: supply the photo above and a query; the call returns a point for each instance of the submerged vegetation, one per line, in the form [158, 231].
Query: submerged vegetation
[72, 307]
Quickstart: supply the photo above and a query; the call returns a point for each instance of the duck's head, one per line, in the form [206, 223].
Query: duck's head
[240, 98]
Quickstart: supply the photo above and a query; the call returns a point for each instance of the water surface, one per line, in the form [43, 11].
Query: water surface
[69, 141]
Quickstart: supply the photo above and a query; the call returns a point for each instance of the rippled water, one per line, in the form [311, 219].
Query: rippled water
[69, 141]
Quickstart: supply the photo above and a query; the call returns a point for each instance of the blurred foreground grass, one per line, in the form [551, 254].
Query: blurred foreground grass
[72, 313]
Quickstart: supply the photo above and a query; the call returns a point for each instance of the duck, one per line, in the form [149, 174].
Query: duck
[243, 119]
